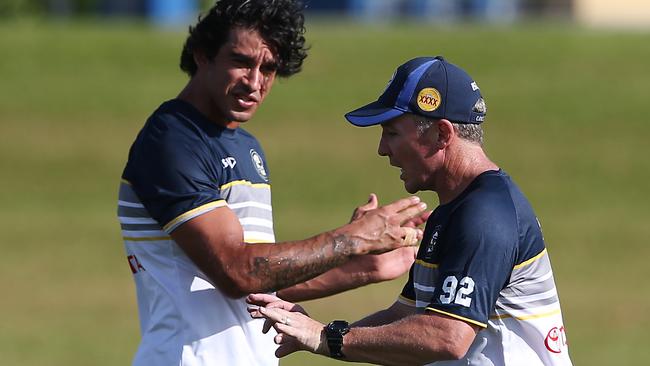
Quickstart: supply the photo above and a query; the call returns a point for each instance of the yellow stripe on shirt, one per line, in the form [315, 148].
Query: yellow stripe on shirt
[246, 183]
[482, 325]
[426, 264]
[531, 260]
[190, 213]
[257, 241]
[527, 317]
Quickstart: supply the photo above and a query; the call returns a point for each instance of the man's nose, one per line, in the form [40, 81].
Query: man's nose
[253, 79]
[381, 149]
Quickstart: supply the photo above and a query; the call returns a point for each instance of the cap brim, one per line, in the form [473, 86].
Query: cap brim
[372, 114]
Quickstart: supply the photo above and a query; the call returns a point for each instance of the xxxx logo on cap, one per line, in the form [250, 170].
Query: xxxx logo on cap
[429, 99]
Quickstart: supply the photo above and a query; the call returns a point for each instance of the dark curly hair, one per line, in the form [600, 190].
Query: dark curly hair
[279, 22]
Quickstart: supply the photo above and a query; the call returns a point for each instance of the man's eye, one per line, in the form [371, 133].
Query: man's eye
[241, 62]
[269, 69]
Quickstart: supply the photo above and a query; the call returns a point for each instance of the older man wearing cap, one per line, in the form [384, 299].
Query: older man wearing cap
[481, 291]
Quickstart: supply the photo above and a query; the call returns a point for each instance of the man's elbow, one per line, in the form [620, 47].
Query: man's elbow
[237, 286]
[448, 350]
[456, 352]
[447, 353]
[234, 291]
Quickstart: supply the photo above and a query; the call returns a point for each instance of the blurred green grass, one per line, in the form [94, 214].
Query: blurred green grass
[568, 119]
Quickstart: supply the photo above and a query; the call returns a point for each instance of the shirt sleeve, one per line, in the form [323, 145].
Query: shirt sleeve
[474, 264]
[171, 170]
[407, 296]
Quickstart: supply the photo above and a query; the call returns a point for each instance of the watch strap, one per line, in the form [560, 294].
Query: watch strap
[335, 332]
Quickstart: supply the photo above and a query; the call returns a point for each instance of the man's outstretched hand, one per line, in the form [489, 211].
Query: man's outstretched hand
[296, 330]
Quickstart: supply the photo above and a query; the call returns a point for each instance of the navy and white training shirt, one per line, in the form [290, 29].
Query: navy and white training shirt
[483, 260]
[180, 166]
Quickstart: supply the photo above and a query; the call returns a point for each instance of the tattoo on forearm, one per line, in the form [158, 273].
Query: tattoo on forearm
[299, 263]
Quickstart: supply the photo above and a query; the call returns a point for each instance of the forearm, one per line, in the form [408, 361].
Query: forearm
[332, 282]
[270, 267]
[394, 313]
[214, 241]
[377, 346]
[358, 271]
[414, 340]
[324, 265]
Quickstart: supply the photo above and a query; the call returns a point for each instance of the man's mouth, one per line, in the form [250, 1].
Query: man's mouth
[401, 170]
[246, 101]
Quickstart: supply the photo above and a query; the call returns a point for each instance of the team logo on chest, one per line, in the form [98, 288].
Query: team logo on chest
[431, 245]
[258, 164]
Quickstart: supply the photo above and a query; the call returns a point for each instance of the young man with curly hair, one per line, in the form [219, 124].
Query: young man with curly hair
[195, 202]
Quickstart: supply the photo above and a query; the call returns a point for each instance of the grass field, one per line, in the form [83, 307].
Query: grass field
[568, 119]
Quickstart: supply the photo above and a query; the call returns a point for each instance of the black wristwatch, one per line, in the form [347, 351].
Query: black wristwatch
[335, 332]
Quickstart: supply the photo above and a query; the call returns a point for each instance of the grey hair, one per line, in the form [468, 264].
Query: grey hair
[422, 125]
[467, 131]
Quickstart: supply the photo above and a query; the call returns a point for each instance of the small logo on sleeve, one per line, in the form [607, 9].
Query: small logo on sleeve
[555, 340]
[134, 264]
[431, 245]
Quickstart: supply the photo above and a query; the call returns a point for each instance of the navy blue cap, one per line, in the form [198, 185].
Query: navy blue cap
[427, 86]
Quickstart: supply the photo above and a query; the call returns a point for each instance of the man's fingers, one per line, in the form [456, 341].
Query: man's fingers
[271, 301]
[411, 236]
[372, 202]
[418, 220]
[267, 326]
[411, 212]
[284, 305]
[422, 218]
[275, 314]
[402, 204]
[370, 205]
[286, 349]
[261, 299]
[254, 311]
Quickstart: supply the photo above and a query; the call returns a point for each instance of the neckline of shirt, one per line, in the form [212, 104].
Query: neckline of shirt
[202, 120]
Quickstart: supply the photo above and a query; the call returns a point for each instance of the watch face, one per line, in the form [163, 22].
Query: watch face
[339, 326]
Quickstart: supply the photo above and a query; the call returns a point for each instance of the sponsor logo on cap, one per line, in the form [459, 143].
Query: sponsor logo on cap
[474, 86]
[429, 99]
[479, 106]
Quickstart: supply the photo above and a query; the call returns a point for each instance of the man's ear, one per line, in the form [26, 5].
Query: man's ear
[445, 133]
[199, 57]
